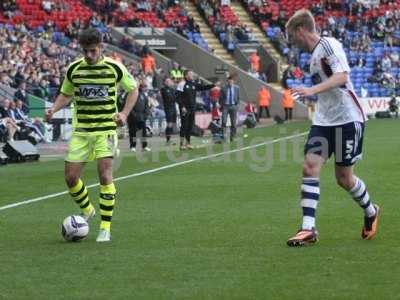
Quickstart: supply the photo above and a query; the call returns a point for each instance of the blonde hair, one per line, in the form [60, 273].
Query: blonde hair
[301, 18]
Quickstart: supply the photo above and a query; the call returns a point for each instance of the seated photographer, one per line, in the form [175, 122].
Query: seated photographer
[7, 124]
[251, 111]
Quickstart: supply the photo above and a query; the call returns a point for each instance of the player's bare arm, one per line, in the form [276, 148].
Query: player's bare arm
[336, 80]
[61, 101]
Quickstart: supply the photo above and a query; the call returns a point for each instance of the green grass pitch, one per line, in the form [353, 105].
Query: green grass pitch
[210, 229]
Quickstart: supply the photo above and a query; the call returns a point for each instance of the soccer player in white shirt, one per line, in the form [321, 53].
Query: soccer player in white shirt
[338, 127]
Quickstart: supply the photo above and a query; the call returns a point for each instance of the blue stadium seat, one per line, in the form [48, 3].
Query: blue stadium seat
[374, 93]
[305, 56]
[298, 81]
[369, 69]
[195, 36]
[375, 85]
[308, 81]
[387, 93]
[231, 46]
[369, 55]
[358, 80]
[369, 63]
[378, 52]
[222, 36]
[270, 33]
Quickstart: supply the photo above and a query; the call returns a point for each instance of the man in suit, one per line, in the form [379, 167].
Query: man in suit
[229, 102]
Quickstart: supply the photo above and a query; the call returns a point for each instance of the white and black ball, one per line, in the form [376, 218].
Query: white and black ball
[74, 228]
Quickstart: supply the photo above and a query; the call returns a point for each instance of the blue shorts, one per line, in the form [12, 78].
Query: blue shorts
[344, 140]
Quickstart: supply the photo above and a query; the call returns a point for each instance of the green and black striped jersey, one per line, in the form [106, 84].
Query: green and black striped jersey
[94, 91]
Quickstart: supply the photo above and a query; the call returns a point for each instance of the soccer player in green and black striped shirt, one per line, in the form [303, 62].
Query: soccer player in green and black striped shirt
[92, 83]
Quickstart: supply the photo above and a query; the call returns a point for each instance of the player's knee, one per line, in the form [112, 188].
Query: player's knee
[344, 181]
[106, 173]
[105, 178]
[71, 179]
[310, 170]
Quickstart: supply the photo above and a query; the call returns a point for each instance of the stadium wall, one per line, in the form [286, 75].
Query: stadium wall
[162, 62]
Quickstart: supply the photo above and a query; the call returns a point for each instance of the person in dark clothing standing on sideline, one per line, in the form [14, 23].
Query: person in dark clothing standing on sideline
[137, 119]
[168, 95]
[229, 102]
[187, 104]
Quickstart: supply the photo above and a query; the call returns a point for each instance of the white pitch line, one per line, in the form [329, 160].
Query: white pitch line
[16, 204]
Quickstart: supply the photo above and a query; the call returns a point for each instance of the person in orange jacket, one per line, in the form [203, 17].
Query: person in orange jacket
[264, 99]
[148, 63]
[288, 104]
[255, 61]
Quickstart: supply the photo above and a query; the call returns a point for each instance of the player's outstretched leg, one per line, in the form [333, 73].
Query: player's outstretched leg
[107, 202]
[80, 195]
[361, 196]
[310, 191]
[309, 201]
[358, 191]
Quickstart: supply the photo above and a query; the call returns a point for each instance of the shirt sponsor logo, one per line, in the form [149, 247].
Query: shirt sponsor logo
[93, 91]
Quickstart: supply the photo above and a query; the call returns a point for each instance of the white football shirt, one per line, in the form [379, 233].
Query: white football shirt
[338, 105]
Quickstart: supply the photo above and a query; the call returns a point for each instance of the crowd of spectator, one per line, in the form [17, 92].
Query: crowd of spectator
[168, 13]
[31, 62]
[228, 29]
[369, 31]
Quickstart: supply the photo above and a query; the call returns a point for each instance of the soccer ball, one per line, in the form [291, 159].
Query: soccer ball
[74, 228]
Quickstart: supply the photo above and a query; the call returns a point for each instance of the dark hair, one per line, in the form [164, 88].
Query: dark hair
[90, 36]
[186, 72]
[232, 76]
